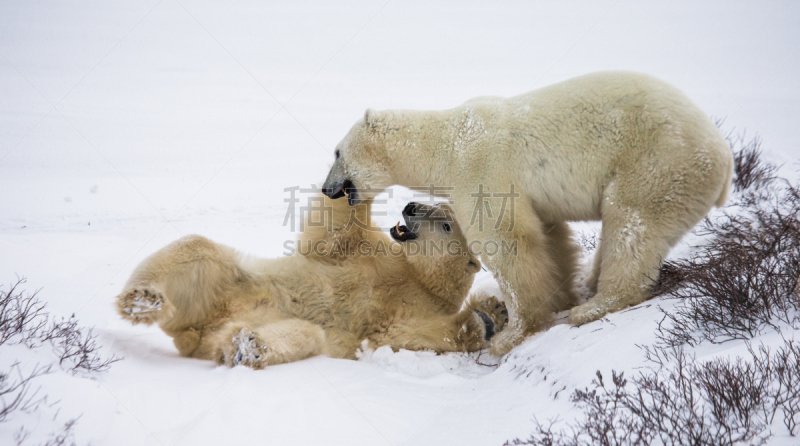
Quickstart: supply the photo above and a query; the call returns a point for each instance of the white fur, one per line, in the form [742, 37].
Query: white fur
[624, 148]
[219, 304]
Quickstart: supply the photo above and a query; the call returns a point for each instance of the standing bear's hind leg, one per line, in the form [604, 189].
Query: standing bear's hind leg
[635, 239]
[652, 202]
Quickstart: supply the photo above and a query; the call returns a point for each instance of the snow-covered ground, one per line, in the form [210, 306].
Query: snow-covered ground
[127, 124]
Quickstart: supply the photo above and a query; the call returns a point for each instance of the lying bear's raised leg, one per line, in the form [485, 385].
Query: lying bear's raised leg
[274, 343]
[144, 304]
[520, 258]
[180, 285]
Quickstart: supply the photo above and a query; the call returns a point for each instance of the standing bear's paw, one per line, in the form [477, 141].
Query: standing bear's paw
[245, 348]
[590, 311]
[143, 305]
[506, 340]
[493, 315]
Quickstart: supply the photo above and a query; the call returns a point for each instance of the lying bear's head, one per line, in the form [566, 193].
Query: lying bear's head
[359, 168]
[437, 250]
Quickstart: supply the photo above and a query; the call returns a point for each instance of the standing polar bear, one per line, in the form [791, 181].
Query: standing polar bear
[345, 283]
[624, 148]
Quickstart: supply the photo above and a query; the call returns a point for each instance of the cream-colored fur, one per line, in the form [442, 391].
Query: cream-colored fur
[219, 304]
[624, 148]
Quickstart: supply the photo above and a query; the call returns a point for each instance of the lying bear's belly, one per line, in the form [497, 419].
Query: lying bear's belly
[331, 296]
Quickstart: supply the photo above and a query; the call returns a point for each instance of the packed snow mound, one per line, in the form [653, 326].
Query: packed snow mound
[426, 364]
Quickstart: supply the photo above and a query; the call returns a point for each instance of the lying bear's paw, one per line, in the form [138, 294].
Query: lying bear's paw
[141, 305]
[246, 349]
[494, 315]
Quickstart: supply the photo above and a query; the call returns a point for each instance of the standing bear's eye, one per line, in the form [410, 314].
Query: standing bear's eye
[446, 228]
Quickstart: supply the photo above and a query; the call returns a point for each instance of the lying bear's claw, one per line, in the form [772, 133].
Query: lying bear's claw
[488, 324]
[141, 305]
[246, 349]
[494, 315]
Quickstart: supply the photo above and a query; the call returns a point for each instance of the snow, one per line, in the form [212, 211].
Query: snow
[127, 124]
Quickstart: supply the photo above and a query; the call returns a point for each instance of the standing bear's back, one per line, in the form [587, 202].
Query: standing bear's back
[564, 144]
[624, 148]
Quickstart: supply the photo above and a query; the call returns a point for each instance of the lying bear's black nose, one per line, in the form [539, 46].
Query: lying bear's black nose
[410, 210]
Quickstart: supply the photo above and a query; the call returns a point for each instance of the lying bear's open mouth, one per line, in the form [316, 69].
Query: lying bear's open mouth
[401, 233]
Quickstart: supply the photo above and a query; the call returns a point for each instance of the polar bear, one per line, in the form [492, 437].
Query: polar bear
[346, 282]
[625, 148]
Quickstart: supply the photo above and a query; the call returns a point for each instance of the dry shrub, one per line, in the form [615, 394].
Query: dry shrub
[743, 280]
[24, 319]
[681, 401]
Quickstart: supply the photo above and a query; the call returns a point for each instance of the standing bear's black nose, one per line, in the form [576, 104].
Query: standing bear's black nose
[335, 190]
[410, 210]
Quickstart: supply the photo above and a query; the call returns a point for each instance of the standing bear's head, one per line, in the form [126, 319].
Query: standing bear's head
[361, 167]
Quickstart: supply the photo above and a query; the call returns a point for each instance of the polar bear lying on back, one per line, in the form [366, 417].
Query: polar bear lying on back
[624, 148]
[345, 283]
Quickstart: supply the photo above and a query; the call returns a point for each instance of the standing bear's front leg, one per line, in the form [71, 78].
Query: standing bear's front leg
[518, 254]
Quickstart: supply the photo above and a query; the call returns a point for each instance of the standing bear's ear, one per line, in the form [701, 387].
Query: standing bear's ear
[371, 117]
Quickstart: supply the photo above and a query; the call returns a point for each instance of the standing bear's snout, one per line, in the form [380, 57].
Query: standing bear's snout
[338, 188]
[333, 190]
[338, 184]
